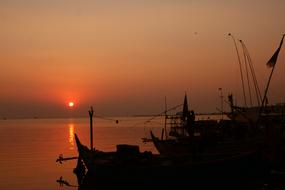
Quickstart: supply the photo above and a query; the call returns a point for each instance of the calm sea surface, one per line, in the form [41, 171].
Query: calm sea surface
[29, 147]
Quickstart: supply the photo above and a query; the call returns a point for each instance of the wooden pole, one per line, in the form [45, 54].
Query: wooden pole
[91, 127]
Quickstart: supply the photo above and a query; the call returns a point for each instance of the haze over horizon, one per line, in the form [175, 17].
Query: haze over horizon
[124, 57]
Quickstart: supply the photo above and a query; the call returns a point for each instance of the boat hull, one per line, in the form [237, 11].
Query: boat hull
[145, 170]
[239, 173]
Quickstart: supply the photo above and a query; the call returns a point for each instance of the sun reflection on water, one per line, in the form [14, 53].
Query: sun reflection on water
[71, 135]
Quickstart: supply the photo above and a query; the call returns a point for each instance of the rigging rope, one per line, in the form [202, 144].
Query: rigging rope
[107, 118]
[164, 112]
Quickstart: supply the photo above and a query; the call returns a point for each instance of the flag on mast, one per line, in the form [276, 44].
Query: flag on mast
[273, 59]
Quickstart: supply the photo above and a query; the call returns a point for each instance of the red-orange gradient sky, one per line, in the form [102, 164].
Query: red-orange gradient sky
[123, 57]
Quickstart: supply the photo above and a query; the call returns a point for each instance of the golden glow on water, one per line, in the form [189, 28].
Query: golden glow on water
[71, 136]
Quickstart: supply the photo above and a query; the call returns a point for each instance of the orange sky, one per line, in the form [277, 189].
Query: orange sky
[124, 58]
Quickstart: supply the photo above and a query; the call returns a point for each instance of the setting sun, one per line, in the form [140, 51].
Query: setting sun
[71, 104]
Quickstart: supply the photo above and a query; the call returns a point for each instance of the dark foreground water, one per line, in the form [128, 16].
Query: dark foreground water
[29, 148]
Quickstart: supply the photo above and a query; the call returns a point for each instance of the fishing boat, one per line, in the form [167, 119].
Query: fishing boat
[264, 115]
[207, 139]
[197, 140]
[128, 168]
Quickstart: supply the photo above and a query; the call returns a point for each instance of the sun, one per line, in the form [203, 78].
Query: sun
[71, 104]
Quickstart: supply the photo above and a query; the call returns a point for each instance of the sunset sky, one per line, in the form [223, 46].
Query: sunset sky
[124, 56]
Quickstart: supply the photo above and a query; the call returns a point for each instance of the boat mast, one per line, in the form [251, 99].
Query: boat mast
[185, 114]
[91, 127]
[222, 105]
[165, 119]
[270, 63]
[240, 68]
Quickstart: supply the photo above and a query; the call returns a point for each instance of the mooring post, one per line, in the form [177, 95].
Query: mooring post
[91, 127]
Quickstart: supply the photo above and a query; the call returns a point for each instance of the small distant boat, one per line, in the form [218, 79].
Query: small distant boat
[145, 139]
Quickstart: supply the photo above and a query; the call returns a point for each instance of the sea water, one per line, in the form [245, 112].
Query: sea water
[29, 147]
